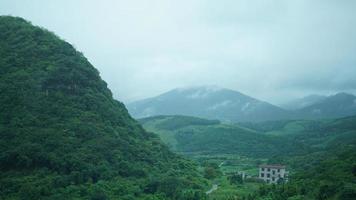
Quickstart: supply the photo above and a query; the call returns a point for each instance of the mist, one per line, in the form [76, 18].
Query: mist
[273, 50]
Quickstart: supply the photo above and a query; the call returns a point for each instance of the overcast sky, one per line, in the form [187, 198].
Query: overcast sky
[273, 50]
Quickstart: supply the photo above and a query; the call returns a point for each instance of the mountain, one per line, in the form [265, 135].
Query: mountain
[334, 106]
[303, 102]
[232, 106]
[63, 136]
[207, 102]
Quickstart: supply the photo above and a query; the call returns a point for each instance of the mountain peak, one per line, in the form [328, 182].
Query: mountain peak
[211, 88]
[197, 92]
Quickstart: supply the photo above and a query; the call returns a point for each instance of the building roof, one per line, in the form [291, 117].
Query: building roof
[276, 166]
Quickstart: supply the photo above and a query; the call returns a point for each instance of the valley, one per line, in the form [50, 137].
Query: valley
[235, 148]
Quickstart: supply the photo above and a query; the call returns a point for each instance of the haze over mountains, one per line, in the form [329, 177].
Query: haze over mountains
[338, 105]
[207, 102]
[213, 102]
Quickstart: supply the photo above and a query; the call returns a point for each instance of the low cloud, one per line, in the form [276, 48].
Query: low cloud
[273, 50]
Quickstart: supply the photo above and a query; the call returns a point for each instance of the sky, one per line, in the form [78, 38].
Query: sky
[273, 50]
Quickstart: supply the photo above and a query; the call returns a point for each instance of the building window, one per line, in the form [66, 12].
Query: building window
[273, 172]
[272, 178]
[268, 169]
[263, 169]
[278, 170]
[262, 175]
[268, 175]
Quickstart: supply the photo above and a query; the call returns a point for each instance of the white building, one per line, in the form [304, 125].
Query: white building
[273, 173]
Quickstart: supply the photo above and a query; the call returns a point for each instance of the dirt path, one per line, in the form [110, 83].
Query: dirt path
[215, 187]
[221, 164]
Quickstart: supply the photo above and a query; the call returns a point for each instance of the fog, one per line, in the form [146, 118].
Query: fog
[274, 50]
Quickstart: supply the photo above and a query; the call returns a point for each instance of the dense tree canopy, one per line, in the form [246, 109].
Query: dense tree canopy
[63, 136]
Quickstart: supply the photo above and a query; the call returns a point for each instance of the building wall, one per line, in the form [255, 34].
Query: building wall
[272, 175]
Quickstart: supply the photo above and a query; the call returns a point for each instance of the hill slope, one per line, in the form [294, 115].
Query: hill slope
[265, 139]
[63, 136]
[190, 135]
[208, 102]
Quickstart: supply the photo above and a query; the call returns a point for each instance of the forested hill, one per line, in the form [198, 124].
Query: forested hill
[265, 139]
[63, 136]
[190, 135]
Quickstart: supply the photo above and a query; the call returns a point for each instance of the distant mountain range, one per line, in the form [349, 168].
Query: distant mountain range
[210, 103]
[232, 106]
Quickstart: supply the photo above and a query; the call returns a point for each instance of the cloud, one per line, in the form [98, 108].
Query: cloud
[272, 50]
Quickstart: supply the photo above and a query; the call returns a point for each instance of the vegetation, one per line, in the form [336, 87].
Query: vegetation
[217, 139]
[320, 154]
[211, 170]
[329, 176]
[63, 136]
[233, 191]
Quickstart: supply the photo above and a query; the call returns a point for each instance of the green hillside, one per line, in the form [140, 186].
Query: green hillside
[315, 134]
[287, 127]
[265, 139]
[198, 136]
[260, 140]
[63, 136]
